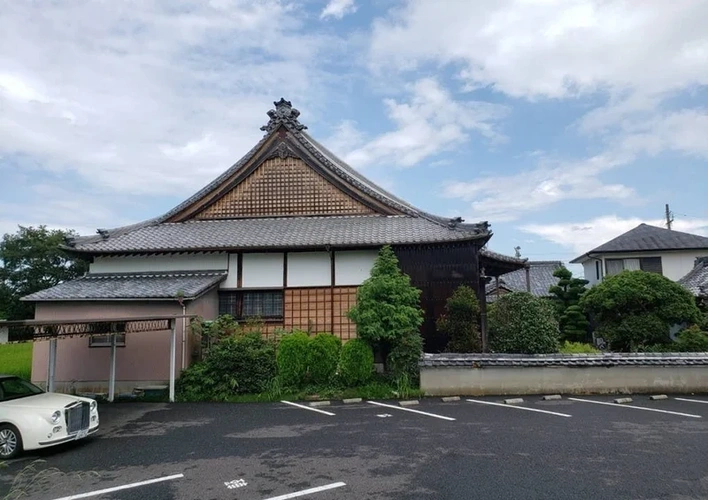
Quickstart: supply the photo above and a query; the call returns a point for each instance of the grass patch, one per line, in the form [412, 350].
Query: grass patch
[16, 359]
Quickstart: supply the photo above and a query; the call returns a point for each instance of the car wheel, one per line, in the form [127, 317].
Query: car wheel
[10, 442]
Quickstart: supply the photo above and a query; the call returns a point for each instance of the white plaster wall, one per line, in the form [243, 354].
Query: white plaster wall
[353, 267]
[675, 265]
[231, 280]
[147, 263]
[262, 270]
[309, 269]
[590, 272]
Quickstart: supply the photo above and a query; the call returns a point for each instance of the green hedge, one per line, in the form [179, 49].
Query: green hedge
[323, 357]
[292, 358]
[356, 363]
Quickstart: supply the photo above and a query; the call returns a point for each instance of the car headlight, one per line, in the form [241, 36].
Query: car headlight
[93, 405]
[56, 416]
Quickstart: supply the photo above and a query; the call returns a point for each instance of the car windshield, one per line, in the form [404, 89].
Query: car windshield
[15, 388]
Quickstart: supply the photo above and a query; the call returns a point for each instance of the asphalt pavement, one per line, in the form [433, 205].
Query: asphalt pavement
[573, 448]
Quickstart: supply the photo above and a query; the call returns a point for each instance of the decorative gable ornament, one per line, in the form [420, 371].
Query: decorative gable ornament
[283, 114]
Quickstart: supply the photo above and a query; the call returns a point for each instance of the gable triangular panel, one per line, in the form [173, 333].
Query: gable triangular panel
[281, 187]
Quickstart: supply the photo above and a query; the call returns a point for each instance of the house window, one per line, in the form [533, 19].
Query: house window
[105, 340]
[648, 264]
[597, 270]
[243, 304]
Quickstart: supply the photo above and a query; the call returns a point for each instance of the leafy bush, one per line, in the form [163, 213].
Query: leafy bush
[404, 357]
[236, 365]
[634, 309]
[522, 323]
[356, 363]
[387, 305]
[292, 357]
[460, 321]
[692, 339]
[323, 357]
[577, 348]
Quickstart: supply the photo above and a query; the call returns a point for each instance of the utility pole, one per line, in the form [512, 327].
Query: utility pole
[669, 217]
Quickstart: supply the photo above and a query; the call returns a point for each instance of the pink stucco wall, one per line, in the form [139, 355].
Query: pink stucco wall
[143, 360]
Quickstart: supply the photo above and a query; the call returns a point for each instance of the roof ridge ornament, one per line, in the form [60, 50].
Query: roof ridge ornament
[283, 114]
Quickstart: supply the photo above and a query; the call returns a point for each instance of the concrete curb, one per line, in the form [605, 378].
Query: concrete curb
[514, 401]
[448, 399]
[351, 400]
[657, 397]
[409, 403]
[552, 397]
[319, 403]
[620, 401]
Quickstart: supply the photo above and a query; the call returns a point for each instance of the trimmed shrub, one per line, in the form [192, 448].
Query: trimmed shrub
[460, 321]
[236, 365]
[577, 348]
[292, 357]
[356, 363]
[692, 339]
[404, 357]
[523, 324]
[323, 357]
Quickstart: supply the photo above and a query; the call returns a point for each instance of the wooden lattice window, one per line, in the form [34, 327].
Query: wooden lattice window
[284, 187]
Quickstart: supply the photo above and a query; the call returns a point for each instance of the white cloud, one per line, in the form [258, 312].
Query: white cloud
[147, 96]
[508, 197]
[552, 48]
[582, 237]
[338, 9]
[429, 123]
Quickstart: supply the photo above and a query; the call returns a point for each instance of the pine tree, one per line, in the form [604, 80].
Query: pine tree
[566, 297]
[460, 321]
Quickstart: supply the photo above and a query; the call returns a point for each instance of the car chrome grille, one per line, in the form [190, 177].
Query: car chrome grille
[78, 417]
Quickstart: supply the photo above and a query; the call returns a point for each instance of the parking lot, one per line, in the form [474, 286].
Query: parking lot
[575, 447]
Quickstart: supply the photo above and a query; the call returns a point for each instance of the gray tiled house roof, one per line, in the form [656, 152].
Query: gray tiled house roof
[540, 276]
[696, 281]
[646, 238]
[125, 286]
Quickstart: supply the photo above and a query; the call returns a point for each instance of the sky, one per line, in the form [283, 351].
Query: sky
[563, 123]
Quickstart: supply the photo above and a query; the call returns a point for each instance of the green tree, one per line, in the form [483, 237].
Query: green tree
[460, 321]
[387, 306]
[635, 309]
[31, 260]
[566, 296]
[520, 323]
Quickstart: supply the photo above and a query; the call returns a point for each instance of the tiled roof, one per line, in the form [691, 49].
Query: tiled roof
[540, 274]
[290, 232]
[646, 238]
[161, 285]
[286, 116]
[603, 359]
[696, 281]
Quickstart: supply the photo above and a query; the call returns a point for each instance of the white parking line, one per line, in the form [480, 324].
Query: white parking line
[308, 408]
[410, 410]
[307, 492]
[635, 407]
[124, 487]
[519, 407]
[692, 400]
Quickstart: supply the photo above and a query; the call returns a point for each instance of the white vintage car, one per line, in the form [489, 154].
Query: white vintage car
[31, 418]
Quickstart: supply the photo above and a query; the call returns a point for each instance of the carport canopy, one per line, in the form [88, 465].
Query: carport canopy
[52, 330]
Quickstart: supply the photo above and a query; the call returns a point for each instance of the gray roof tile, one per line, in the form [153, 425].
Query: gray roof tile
[696, 281]
[159, 285]
[291, 232]
[522, 360]
[650, 238]
[540, 274]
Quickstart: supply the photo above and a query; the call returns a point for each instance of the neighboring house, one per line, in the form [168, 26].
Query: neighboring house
[537, 281]
[696, 281]
[647, 248]
[286, 234]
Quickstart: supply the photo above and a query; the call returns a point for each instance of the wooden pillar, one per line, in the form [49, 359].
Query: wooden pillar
[483, 309]
[112, 375]
[173, 354]
[528, 278]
